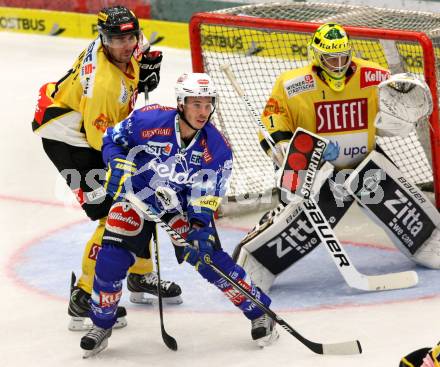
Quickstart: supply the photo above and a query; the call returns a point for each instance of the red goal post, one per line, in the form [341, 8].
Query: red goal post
[259, 48]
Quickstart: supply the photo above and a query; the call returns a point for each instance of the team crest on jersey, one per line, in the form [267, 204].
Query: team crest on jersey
[303, 83]
[272, 108]
[101, 123]
[174, 169]
[372, 76]
[158, 148]
[338, 116]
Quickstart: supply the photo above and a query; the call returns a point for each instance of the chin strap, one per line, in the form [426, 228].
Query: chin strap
[182, 116]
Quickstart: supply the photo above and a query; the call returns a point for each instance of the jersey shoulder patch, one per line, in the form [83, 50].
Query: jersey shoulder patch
[299, 81]
[371, 74]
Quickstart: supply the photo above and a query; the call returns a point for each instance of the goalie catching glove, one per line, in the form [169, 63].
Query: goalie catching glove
[118, 171]
[149, 71]
[404, 101]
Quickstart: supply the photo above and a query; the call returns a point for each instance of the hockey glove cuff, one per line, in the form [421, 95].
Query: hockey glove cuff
[201, 245]
[149, 71]
[118, 171]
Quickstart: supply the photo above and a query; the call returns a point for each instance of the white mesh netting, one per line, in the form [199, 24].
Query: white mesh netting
[257, 55]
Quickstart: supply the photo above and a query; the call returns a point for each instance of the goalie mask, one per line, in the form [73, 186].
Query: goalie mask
[330, 49]
[194, 85]
[117, 21]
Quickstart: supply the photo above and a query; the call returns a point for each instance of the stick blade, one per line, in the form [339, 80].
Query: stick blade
[405, 279]
[169, 341]
[344, 348]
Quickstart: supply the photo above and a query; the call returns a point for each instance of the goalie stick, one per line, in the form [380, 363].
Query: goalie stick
[351, 275]
[343, 348]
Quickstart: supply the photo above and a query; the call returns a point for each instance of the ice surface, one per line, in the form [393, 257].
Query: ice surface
[42, 236]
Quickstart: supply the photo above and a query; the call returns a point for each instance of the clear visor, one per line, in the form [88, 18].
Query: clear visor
[121, 40]
[335, 62]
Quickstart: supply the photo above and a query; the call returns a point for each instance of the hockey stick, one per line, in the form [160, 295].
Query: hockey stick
[228, 72]
[169, 341]
[350, 347]
[351, 275]
[146, 96]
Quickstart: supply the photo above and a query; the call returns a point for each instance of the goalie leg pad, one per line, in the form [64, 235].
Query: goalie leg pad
[399, 207]
[274, 246]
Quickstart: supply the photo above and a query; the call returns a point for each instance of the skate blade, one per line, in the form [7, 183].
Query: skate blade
[94, 352]
[85, 324]
[148, 299]
[268, 340]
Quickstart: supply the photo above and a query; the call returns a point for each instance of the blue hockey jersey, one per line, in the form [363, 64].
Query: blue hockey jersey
[198, 173]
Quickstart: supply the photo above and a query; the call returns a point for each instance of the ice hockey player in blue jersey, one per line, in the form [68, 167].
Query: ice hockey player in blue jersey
[178, 163]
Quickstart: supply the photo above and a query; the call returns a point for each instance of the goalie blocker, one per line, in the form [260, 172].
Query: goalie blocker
[406, 215]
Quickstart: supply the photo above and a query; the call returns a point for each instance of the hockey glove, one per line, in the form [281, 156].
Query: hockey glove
[201, 242]
[423, 357]
[149, 72]
[118, 170]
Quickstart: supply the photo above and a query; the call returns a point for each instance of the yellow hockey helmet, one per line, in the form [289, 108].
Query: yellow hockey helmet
[330, 49]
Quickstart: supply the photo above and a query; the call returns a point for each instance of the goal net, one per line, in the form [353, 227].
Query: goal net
[261, 41]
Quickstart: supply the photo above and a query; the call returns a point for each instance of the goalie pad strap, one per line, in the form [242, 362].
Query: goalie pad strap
[393, 202]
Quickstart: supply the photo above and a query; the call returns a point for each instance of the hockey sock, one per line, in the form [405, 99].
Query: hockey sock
[111, 268]
[236, 272]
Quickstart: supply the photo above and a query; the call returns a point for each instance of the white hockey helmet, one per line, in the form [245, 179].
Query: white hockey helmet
[195, 85]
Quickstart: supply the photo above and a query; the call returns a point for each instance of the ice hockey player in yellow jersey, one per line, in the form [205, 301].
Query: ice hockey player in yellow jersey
[334, 96]
[71, 117]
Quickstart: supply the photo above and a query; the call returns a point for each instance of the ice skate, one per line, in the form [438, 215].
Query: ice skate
[263, 331]
[95, 341]
[143, 289]
[79, 309]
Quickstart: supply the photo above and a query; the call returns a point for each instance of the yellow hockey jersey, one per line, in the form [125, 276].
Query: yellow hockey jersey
[93, 95]
[300, 98]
